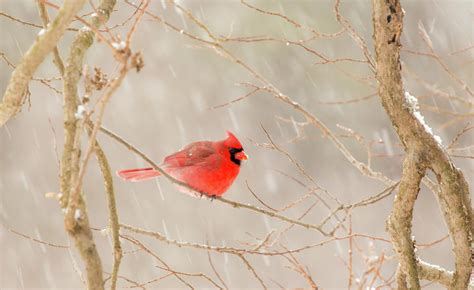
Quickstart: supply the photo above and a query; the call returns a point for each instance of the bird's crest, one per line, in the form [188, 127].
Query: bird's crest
[232, 141]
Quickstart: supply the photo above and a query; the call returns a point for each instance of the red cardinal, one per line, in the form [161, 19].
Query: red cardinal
[208, 167]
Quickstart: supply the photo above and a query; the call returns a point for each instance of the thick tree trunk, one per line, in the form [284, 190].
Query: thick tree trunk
[423, 152]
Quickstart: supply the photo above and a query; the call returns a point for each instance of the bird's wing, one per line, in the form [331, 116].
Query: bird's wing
[193, 154]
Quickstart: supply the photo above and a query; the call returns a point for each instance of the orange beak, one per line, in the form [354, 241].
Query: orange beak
[241, 156]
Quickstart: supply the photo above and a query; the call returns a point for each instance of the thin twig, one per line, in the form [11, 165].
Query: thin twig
[35, 240]
[113, 214]
[45, 20]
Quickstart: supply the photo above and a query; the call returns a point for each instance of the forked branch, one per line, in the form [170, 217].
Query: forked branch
[424, 151]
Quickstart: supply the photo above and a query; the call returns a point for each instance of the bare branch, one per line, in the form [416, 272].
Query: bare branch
[113, 215]
[45, 19]
[423, 152]
[215, 270]
[221, 199]
[35, 240]
[252, 269]
[43, 45]
[399, 222]
[76, 218]
[292, 21]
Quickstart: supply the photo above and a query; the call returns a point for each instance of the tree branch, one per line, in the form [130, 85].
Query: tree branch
[76, 219]
[399, 222]
[44, 44]
[113, 214]
[424, 152]
[318, 227]
[45, 20]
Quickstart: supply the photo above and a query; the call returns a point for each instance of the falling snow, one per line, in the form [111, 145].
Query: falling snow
[163, 4]
[159, 189]
[168, 105]
[38, 236]
[387, 142]
[165, 229]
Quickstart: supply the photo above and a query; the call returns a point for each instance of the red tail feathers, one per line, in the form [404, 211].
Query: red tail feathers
[138, 174]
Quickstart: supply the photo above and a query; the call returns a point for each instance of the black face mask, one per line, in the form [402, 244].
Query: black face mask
[234, 151]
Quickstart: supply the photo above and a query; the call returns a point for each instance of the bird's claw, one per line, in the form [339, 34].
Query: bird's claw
[211, 197]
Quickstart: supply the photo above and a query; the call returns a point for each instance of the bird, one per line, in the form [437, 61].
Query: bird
[208, 167]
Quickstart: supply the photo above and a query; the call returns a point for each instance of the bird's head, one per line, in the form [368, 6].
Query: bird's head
[236, 150]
